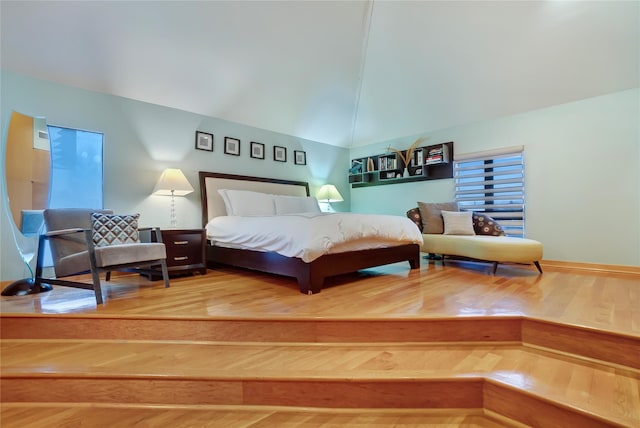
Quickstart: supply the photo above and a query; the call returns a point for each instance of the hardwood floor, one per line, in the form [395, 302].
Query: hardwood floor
[445, 345]
[113, 416]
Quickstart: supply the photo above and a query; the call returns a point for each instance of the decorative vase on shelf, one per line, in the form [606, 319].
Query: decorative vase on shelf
[406, 156]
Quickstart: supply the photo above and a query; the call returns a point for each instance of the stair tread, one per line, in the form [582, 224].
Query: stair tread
[34, 415]
[558, 378]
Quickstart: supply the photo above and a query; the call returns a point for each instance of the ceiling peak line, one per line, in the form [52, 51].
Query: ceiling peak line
[363, 60]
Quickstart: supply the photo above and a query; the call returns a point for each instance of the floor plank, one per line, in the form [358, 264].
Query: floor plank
[350, 319]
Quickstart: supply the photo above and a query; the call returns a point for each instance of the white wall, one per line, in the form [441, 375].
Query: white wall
[142, 139]
[582, 172]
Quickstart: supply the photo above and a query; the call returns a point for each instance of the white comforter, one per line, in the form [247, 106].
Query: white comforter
[310, 235]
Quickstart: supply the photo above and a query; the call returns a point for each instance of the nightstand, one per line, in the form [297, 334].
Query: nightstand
[185, 253]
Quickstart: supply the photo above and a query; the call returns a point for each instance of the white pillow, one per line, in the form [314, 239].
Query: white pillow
[458, 222]
[296, 204]
[247, 203]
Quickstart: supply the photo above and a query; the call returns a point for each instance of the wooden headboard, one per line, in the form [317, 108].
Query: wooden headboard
[210, 182]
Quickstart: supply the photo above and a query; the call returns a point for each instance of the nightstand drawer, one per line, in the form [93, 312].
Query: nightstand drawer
[180, 256]
[181, 238]
[185, 250]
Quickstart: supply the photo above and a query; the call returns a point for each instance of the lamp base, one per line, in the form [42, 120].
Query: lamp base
[25, 286]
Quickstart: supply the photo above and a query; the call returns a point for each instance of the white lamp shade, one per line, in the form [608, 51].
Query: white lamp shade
[329, 193]
[172, 182]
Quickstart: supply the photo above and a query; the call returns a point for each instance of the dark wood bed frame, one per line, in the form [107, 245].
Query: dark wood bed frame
[311, 275]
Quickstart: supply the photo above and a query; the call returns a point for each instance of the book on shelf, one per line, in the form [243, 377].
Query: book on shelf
[438, 155]
[388, 162]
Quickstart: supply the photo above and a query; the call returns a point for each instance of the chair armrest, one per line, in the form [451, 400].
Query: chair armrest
[63, 232]
[158, 233]
[146, 232]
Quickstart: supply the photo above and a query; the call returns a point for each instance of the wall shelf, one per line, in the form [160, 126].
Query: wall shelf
[433, 162]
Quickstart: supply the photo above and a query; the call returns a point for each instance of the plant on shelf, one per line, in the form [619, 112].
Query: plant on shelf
[406, 155]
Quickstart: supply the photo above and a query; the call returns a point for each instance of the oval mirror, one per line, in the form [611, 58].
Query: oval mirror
[28, 171]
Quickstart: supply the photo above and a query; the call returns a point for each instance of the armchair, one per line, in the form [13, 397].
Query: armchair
[95, 241]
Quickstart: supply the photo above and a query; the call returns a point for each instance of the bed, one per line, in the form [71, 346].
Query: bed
[309, 275]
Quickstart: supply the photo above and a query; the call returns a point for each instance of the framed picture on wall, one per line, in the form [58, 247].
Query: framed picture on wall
[204, 141]
[299, 157]
[279, 153]
[257, 150]
[232, 146]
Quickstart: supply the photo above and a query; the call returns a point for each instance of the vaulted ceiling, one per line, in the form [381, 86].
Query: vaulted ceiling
[344, 73]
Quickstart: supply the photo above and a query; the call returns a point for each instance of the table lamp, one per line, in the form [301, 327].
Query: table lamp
[328, 193]
[172, 183]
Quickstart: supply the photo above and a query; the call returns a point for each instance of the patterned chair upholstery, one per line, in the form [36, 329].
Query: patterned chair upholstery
[95, 241]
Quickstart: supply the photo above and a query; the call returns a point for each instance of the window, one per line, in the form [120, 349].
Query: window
[76, 168]
[493, 182]
[76, 171]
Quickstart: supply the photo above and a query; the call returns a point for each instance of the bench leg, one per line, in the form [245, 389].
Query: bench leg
[537, 263]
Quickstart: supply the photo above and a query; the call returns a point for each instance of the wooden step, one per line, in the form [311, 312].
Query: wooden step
[532, 386]
[612, 347]
[38, 415]
[552, 350]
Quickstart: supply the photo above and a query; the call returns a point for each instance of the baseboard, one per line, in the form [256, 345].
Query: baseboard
[591, 267]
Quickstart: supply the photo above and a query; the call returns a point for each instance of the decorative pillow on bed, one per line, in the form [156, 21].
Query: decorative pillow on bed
[431, 217]
[247, 203]
[458, 222]
[414, 216]
[485, 225]
[295, 204]
[113, 229]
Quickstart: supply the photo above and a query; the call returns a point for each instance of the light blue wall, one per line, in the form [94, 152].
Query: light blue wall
[142, 139]
[582, 172]
[582, 163]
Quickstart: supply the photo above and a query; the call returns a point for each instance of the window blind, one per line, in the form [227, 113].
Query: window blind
[493, 182]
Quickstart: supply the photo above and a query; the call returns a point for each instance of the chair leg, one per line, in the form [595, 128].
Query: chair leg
[108, 276]
[495, 267]
[97, 289]
[537, 263]
[165, 273]
[38, 286]
[95, 275]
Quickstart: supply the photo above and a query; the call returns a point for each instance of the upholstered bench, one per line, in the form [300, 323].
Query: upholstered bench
[485, 241]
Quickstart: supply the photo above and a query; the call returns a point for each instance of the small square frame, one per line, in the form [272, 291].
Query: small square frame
[204, 141]
[257, 150]
[279, 154]
[231, 146]
[299, 157]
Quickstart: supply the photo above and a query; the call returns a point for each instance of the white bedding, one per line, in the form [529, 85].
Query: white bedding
[311, 235]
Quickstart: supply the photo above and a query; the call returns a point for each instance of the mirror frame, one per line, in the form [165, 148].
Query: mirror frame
[27, 179]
